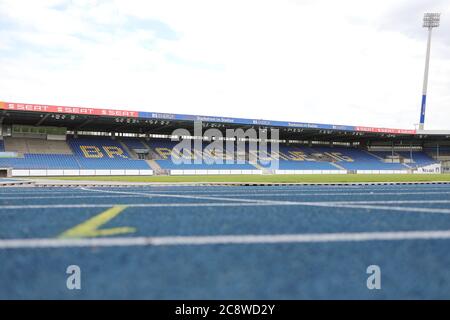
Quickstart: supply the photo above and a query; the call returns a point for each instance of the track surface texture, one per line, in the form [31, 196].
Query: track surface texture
[226, 242]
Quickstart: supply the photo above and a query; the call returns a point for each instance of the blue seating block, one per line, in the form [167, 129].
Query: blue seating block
[41, 161]
[105, 153]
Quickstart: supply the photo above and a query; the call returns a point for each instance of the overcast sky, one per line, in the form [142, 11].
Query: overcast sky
[341, 62]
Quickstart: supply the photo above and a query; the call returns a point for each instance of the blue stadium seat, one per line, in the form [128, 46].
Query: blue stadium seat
[362, 160]
[41, 161]
[133, 143]
[88, 153]
[418, 158]
[103, 153]
[301, 158]
[164, 147]
[296, 158]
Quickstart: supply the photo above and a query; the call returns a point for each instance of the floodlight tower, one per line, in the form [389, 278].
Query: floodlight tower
[430, 21]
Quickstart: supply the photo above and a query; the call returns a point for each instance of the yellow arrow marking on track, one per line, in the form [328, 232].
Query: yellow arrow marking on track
[90, 228]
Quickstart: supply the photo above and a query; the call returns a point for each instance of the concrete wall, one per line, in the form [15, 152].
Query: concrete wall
[210, 172]
[49, 173]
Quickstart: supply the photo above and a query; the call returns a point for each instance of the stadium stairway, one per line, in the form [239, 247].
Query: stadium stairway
[156, 168]
[373, 155]
[257, 166]
[133, 143]
[334, 164]
[419, 158]
[130, 152]
[152, 153]
[378, 156]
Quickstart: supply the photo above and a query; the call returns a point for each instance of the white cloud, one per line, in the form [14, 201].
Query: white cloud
[315, 61]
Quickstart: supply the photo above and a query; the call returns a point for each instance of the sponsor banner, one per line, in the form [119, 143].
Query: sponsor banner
[185, 117]
[8, 154]
[432, 168]
[69, 110]
[171, 116]
[385, 130]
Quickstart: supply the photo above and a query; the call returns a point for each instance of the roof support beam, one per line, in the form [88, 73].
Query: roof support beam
[84, 124]
[42, 120]
[158, 128]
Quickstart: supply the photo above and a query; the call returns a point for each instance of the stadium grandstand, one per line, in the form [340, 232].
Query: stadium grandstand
[44, 140]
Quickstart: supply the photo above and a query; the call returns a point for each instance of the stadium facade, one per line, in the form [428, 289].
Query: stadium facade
[46, 140]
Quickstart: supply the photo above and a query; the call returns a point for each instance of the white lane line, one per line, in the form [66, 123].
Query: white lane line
[287, 187]
[393, 202]
[231, 204]
[220, 198]
[27, 192]
[250, 202]
[272, 190]
[324, 194]
[211, 189]
[196, 197]
[279, 203]
[229, 190]
[137, 205]
[149, 195]
[388, 208]
[225, 239]
[87, 196]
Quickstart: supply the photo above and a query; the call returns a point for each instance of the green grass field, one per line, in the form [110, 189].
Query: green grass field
[319, 178]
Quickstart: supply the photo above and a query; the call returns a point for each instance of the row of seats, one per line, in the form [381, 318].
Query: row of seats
[361, 160]
[418, 158]
[36, 146]
[414, 158]
[164, 148]
[133, 143]
[302, 158]
[88, 153]
[41, 161]
[105, 153]
[292, 158]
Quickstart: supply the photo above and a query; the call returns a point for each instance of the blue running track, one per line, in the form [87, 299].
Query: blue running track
[223, 242]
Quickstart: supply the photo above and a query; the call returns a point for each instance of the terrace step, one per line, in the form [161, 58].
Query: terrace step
[157, 170]
[128, 150]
